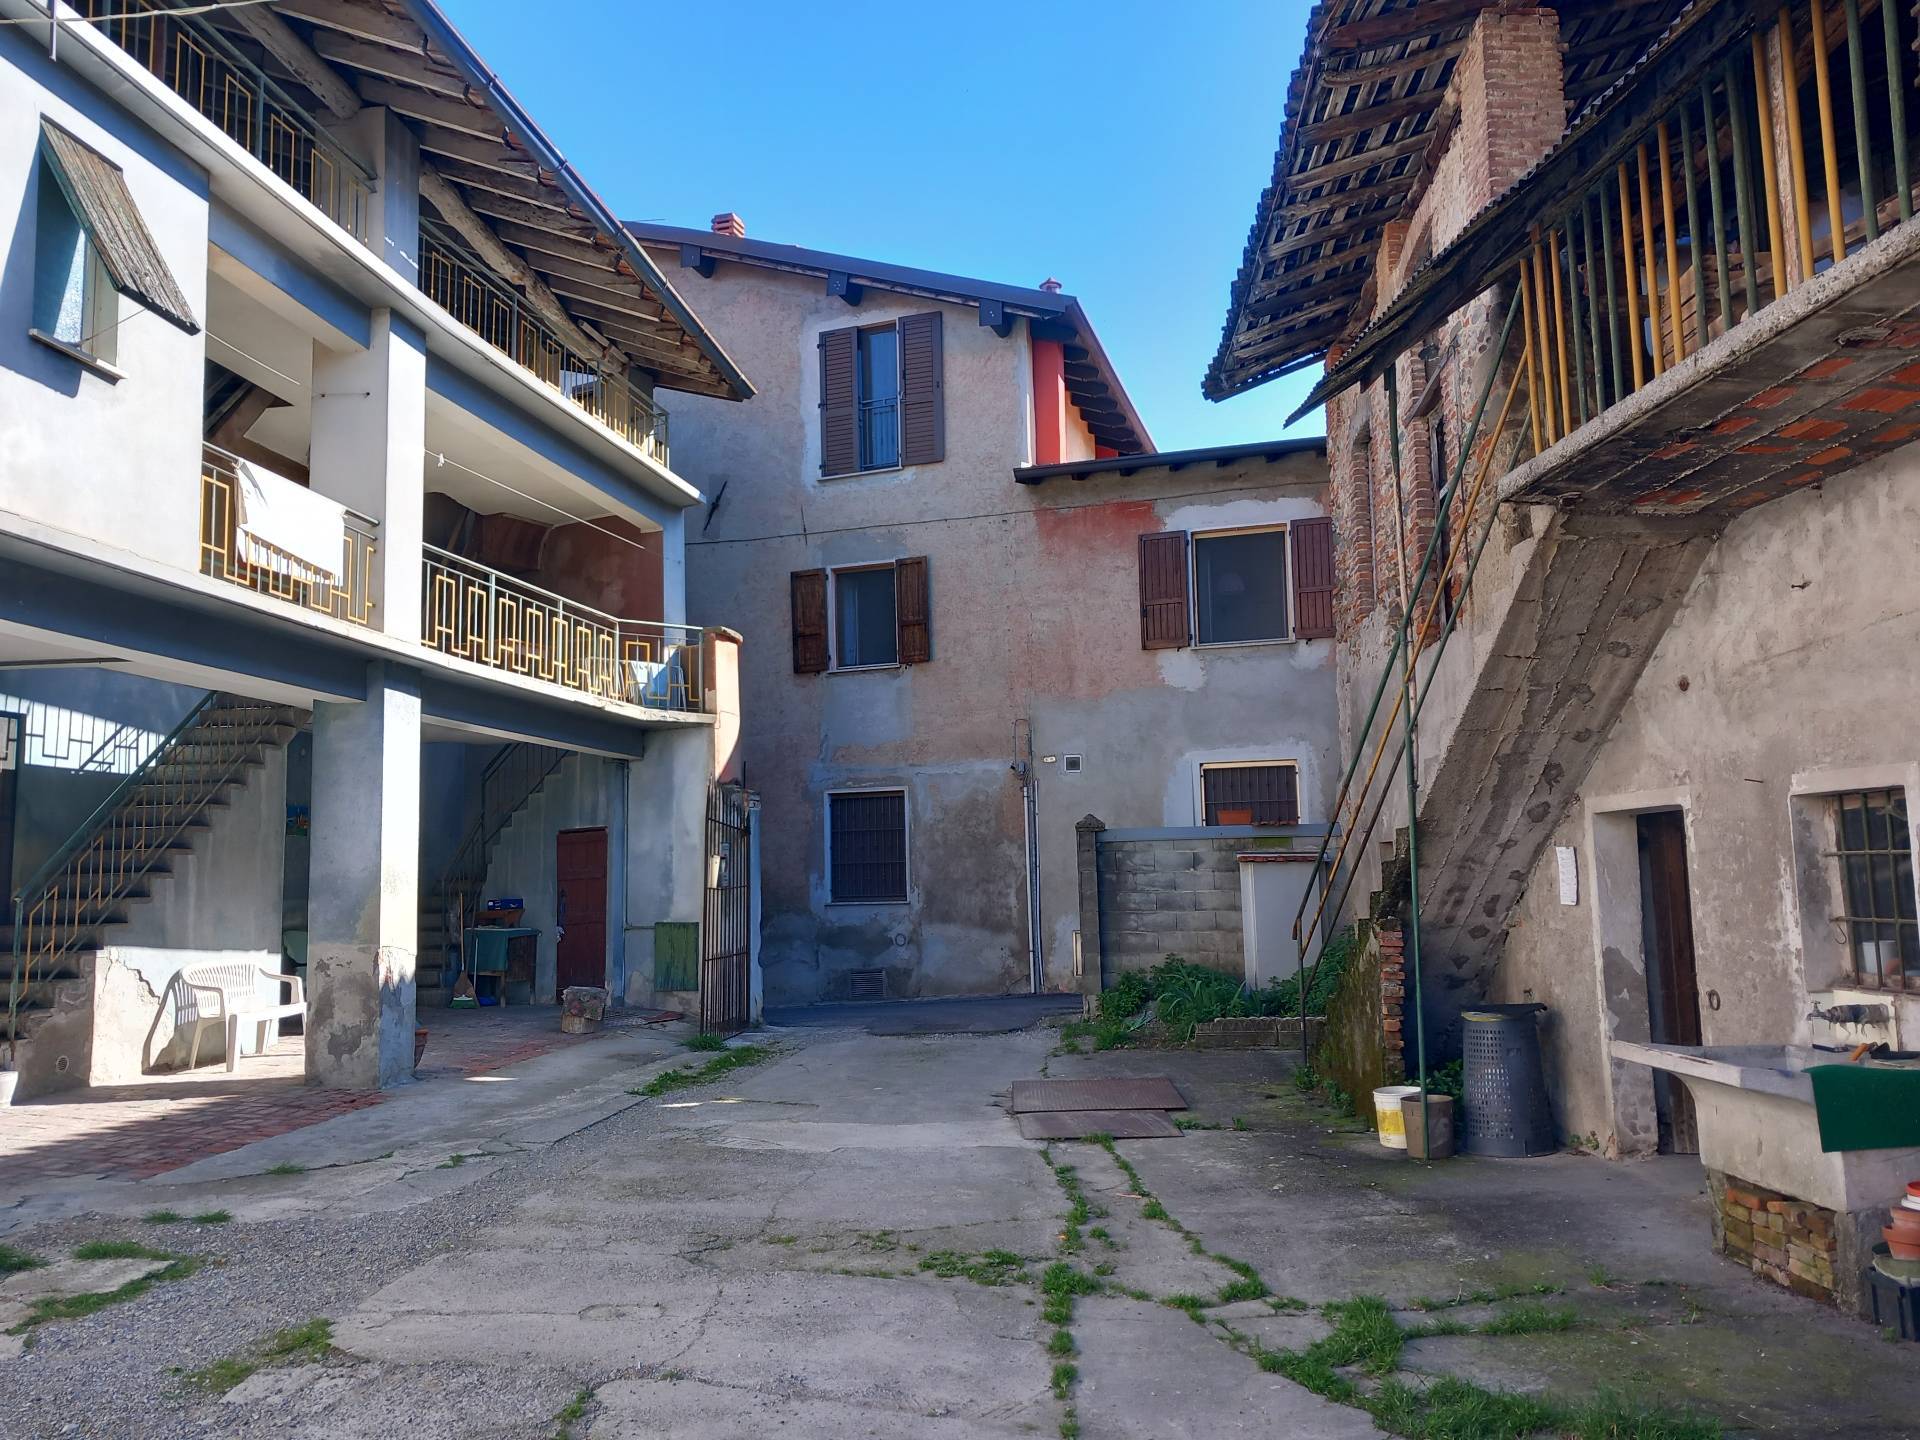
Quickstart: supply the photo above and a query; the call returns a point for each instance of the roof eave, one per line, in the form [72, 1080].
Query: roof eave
[427, 14]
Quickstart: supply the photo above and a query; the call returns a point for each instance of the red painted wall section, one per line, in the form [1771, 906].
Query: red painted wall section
[1049, 401]
[1085, 637]
[596, 568]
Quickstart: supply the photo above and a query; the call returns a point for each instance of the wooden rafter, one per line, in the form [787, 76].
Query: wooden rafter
[311, 70]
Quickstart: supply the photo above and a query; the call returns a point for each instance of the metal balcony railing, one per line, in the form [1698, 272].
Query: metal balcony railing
[473, 295]
[478, 614]
[266, 571]
[204, 69]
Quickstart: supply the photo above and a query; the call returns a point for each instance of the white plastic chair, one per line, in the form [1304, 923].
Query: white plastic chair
[228, 995]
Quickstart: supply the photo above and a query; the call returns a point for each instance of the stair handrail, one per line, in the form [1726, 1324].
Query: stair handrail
[469, 856]
[84, 834]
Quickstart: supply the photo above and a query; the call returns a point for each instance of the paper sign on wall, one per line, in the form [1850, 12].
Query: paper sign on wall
[1567, 859]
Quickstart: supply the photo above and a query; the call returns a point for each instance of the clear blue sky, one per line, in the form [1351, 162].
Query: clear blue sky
[1118, 146]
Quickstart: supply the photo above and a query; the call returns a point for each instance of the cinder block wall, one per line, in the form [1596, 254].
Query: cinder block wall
[1178, 896]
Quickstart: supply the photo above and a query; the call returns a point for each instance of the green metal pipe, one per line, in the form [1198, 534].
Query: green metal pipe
[1715, 203]
[1862, 150]
[1593, 306]
[1613, 297]
[1897, 107]
[1693, 232]
[1573, 319]
[1743, 187]
[1386, 674]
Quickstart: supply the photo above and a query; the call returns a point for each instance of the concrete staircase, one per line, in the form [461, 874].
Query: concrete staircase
[146, 828]
[512, 778]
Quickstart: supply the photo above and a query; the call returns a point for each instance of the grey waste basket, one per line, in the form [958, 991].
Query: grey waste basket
[1505, 1083]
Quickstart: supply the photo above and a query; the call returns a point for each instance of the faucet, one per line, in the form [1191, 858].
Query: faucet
[1851, 1014]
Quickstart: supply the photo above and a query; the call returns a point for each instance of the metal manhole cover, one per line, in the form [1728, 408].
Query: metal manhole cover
[1078, 1124]
[1118, 1092]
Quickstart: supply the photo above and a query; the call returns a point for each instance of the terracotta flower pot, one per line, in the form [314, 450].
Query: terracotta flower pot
[1901, 1218]
[1904, 1246]
[420, 1048]
[1913, 1188]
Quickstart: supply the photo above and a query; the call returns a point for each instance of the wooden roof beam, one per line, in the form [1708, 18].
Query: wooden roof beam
[385, 62]
[362, 20]
[1413, 23]
[1367, 117]
[458, 115]
[453, 209]
[493, 152]
[328, 86]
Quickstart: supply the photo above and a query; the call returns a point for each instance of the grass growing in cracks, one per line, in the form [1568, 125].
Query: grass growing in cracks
[307, 1343]
[667, 1081]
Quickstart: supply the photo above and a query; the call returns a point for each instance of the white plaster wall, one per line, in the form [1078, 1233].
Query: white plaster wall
[1787, 659]
[1035, 622]
[116, 462]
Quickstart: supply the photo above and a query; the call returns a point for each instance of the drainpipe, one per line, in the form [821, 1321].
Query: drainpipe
[1030, 826]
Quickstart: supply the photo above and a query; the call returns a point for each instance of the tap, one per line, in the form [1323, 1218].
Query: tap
[1852, 1014]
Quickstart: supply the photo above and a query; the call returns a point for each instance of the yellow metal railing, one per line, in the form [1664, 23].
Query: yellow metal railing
[469, 292]
[210, 74]
[267, 571]
[478, 614]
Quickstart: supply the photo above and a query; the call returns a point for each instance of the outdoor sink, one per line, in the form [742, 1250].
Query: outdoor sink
[1755, 1106]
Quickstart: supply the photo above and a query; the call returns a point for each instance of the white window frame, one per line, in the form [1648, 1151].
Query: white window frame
[906, 840]
[1201, 768]
[1194, 537]
[1826, 955]
[833, 616]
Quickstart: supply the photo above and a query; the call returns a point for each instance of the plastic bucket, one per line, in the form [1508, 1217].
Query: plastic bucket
[1387, 1118]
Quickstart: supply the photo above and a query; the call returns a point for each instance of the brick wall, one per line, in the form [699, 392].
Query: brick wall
[1361, 1047]
[1790, 1242]
[1176, 896]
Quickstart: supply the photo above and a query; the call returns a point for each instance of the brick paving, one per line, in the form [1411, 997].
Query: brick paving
[166, 1121]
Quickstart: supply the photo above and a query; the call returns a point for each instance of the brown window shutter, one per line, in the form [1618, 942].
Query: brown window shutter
[810, 654]
[912, 617]
[923, 419]
[1163, 591]
[839, 402]
[1312, 579]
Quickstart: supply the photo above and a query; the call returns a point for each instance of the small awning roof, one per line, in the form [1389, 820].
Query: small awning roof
[96, 188]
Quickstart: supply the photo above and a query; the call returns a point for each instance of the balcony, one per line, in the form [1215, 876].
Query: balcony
[204, 69]
[466, 289]
[480, 615]
[236, 544]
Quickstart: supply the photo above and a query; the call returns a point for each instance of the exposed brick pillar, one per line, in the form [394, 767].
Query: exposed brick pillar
[1513, 102]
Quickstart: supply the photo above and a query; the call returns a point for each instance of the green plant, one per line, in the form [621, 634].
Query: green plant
[573, 1410]
[1061, 1343]
[287, 1167]
[667, 1081]
[706, 1040]
[1244, 1288]
[1064, 1374]
[1194, 1307]
[1449, 1079]
[212, 1217]
[1531, 1318]
[311, 1342]
[73, 1307]
[13, 1261]
[1282, 997]
[996, 1267]
[163, 1217]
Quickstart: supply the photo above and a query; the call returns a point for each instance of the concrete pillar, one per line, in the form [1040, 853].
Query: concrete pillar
[393, 212]
[368, 451]
[1086, 839]
[666, 845]
[720, 698]
[364, 887]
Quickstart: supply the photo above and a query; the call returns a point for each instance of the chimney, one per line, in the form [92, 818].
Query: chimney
[1050, 285]
[728, 223]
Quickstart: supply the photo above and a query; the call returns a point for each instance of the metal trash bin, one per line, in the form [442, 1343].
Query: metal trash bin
[1506, 1083]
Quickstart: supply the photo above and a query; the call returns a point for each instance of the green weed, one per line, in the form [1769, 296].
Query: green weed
[706, 1041]
[308, 1343]
[163, 1217]
[13, 1261]
[1061, 1343]
[1064, 1374]
[1531, 1318]
[118, 1250]
[737, 1058]
[287, 1167]
[996, 1267]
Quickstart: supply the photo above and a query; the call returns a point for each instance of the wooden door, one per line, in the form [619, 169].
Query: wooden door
[1673, 988]
[580, 865]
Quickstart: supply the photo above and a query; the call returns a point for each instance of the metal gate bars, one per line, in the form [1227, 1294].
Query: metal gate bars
[726, 915]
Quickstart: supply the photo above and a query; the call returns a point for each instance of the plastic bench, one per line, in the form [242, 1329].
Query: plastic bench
[228, 995]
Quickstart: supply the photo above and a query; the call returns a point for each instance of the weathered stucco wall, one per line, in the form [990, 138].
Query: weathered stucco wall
[1782, 673]
[142, 431]
[1035, 631]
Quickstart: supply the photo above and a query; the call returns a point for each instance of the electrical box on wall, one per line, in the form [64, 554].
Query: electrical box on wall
[1071, 764]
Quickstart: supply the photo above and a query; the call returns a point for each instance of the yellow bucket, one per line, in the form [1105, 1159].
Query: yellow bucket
[1387, 1118]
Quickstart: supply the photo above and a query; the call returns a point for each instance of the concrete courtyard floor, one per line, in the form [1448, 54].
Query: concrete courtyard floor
[851, 1239]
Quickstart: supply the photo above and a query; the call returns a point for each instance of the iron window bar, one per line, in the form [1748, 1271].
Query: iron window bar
[880, 434]
[1878, 819]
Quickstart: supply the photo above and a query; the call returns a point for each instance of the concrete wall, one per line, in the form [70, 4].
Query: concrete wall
[585, 792]
[140, 435]
[1170, 895]
[1036, 650]
[665, 874]
[1777, 681]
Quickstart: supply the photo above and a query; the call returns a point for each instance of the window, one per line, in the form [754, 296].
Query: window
[867, 847]
[1240, 587]
[879, 382]
[874, 615]
[74, 301]
[1873, 846]
[1257, 793]
[864, 618]
[882, 396]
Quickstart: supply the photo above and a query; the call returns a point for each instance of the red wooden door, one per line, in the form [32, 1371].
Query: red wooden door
[581, 866]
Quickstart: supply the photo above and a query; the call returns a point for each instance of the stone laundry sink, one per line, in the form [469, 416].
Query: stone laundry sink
[1755, 1106]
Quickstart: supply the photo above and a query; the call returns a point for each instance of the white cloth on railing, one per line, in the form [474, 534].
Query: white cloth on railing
[286, 528]
[659, 683]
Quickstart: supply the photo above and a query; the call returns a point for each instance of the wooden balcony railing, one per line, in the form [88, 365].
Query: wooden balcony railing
[478, 614]
[266, 571]
[1720, 208]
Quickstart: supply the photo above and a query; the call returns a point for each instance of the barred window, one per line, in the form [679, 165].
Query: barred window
[1873, 847]
[1262, 794]
[867, 846]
